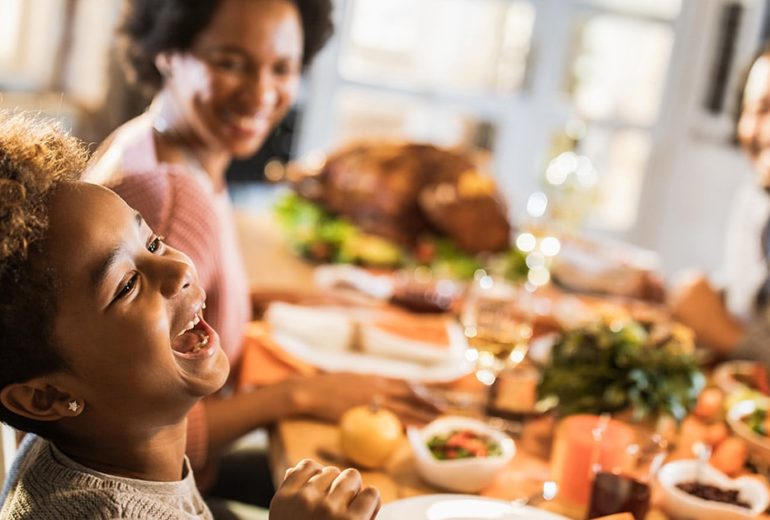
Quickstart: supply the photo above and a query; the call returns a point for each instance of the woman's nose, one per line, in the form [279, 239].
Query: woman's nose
[262, 90]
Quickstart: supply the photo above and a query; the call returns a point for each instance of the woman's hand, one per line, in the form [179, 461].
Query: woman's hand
[695, 303]
[328, 396]
[314, 492]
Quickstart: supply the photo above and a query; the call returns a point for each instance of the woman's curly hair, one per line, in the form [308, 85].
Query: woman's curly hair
[149, 27]
[36, 156]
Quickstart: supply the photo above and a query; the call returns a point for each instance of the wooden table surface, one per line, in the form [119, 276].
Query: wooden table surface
[296, 439]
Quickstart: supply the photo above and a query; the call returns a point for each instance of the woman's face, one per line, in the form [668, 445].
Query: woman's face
[754, 123]
[124, 304]
[241, 75]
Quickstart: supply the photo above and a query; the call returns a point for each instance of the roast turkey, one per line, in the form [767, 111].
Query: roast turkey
[403, 191]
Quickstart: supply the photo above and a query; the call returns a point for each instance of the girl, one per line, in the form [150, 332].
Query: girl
[103, 351]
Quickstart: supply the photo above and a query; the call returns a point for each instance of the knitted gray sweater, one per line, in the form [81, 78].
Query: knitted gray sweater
[45, 484]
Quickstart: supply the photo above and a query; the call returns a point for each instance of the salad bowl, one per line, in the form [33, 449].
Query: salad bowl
[459, 453]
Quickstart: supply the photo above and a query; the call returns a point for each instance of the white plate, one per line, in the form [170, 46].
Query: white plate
[455, 366]
[460, 507]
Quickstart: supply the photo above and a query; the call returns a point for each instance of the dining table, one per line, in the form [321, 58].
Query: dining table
[292, 440]
[522, 480]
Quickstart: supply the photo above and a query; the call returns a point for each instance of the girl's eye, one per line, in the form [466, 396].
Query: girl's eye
[127, 288]
[155, 244]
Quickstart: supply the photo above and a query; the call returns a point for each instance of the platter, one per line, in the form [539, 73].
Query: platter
[460, 507]
[456, 364]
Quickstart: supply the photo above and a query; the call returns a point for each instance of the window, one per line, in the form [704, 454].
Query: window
[510, 77]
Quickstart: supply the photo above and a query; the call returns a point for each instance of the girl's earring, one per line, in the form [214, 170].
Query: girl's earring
[73, 406]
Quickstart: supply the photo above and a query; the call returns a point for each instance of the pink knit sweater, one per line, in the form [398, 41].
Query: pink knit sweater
[180, 204]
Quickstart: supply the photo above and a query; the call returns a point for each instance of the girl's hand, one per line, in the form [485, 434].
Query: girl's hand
[311, 491]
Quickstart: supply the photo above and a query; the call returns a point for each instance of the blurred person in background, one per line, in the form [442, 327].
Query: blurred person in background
[223, 73]
[736, 322]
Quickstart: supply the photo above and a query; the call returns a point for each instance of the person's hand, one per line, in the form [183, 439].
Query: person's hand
[695, 303]
[328, 396]
[314, 492]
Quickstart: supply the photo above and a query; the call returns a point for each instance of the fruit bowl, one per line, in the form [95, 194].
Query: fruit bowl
[466, 475]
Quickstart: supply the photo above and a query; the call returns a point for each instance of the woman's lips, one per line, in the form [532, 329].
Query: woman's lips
[247, 126]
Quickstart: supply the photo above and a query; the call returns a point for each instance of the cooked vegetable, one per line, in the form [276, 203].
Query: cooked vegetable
[759, 422]
[612, 367]
[463, 444]
[321, 236]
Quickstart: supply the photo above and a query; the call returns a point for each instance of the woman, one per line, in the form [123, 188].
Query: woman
[737, 322]
[225, 72]
[104, 350]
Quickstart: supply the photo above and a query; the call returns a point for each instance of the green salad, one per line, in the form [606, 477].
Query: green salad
[759, 422]
[614, 367]
[463, 444]
[321, 236]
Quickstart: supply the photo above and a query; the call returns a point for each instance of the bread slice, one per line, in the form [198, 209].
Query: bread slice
[325, 328]
[421, 340]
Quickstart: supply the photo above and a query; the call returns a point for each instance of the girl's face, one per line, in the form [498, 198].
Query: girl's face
[754, 123]
[240, 77]
[125, 302]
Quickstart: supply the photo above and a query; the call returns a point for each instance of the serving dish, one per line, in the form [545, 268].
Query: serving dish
[680, 504]
[759, 445]
[455, 365]
[460, 507]
[741, 376]
[465, 475]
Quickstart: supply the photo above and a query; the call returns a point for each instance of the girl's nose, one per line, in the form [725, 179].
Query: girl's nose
[175, 276]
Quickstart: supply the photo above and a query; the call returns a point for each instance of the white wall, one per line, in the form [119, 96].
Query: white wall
[696, 171]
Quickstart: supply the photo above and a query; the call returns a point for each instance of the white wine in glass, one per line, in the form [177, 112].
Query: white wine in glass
[497, 324]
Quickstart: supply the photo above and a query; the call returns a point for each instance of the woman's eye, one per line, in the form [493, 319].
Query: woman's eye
[154, 246]
[127, 288]
[285, 68]
[230, 65]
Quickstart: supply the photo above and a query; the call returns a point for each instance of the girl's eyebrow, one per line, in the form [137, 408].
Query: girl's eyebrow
[100, 272]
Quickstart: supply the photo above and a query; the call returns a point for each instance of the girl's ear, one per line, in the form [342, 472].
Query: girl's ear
[37, 399]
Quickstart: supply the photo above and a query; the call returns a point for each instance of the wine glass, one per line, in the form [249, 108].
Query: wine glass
[497, 320]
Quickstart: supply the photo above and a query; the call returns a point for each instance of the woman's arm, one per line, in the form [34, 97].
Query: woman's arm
[324, 396]
[699, 306]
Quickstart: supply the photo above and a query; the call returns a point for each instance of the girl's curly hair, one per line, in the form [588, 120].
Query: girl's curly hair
[149, 27]
[36, 156]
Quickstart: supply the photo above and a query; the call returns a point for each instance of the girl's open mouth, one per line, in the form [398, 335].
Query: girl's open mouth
[197, 341]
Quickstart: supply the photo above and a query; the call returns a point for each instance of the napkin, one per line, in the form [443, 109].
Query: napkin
[265, 363]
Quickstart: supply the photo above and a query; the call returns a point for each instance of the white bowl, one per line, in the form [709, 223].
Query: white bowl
[680, 504]
[462, 475]
[759, 445]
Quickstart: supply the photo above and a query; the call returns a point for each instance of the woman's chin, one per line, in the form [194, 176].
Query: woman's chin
[245, 150]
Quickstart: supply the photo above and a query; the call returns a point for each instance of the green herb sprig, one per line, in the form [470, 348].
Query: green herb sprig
[614, 367]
